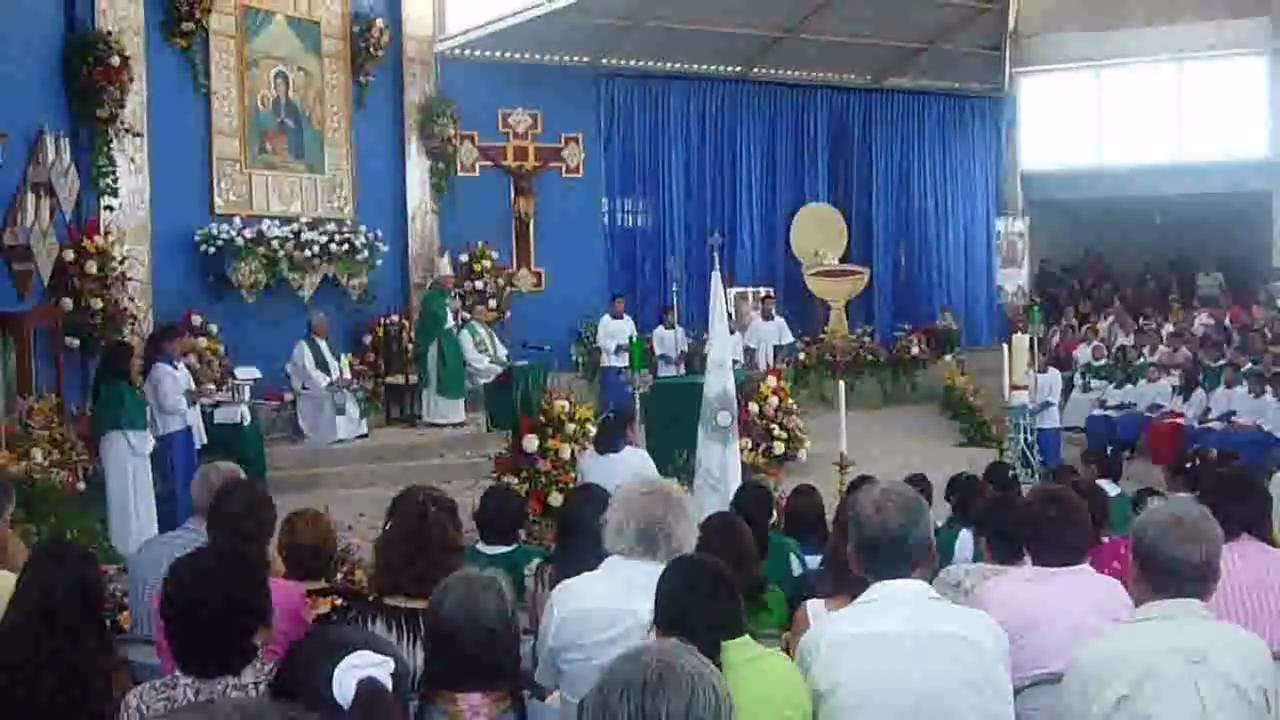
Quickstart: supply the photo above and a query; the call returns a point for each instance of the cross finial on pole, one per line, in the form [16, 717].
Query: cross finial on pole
[714, 243]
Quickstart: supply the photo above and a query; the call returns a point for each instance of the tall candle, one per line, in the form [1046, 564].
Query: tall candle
[1004, 370]
[1019, 359]
[844, 430]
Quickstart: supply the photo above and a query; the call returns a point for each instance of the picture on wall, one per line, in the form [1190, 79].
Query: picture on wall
[280, 108]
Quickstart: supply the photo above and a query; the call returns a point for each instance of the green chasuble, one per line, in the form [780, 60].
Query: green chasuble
[118, 406]
[450, 370]
[512, 563]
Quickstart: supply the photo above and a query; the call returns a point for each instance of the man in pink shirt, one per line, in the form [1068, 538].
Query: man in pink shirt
[1058, 603]
[1248, 592]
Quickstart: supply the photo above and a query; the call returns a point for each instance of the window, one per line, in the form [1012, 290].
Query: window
[1192, 110]
[463, 15]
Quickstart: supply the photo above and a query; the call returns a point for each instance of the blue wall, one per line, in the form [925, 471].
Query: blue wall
[568, 230]
[263, 333]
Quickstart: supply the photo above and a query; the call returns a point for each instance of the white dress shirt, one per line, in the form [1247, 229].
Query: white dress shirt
[165, 391]
[591, 619]
[1173, 660]
[1083, 354]
[1225, 399]
[671, 342]
[902, 650]
[1048, 389]
[610, 333]
[614, 470]
[1255, 410]
[764, 336]
[1192, 408]
[1146, 394]
[195, 417]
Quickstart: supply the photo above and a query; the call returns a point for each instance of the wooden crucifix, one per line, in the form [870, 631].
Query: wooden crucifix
[521, 158]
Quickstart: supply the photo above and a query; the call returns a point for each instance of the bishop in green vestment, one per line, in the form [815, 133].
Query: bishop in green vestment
[119, 426]
[441, 367]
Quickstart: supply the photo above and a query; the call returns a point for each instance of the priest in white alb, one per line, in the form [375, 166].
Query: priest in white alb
[766, 335]
[670, 345]
[484, 353]
[327, 410]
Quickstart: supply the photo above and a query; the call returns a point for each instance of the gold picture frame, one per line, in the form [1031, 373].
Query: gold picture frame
[280, 108]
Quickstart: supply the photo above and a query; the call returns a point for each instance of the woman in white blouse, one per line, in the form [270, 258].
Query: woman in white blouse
[613, 461]
[170, 398]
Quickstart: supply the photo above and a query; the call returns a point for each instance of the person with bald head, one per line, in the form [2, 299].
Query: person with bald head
[327, 411]
[900, 649]
[1174, 659]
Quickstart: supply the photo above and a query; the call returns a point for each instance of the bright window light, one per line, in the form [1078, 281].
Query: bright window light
[1224, 108]
[1058, 119]
[1139, 113]
[463, 15]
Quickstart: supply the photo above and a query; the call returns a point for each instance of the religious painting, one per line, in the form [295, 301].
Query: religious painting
[280, 107]
[1013, 246]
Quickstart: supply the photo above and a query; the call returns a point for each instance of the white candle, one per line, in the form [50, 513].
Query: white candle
[844, 430]
[1004, 370]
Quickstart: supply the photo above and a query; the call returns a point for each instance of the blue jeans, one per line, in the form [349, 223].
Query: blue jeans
[1049, 443]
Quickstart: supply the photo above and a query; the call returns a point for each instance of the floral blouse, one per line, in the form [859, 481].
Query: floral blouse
[174, 691]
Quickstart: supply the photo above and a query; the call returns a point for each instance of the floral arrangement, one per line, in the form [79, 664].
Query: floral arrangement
[483, 281]
[115, 578]
[370, 39]
[206, 358]
[370, 366]
[859, 356]
[541, 465]
[438, 131]
[186, 27]
[771, 432]
[582, 351]
[909, 355]
[99, 76]
[302, 253]
[95, 285]
[962, 402]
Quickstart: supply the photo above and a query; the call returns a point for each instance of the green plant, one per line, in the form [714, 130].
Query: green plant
[99, 77]
[438, 132]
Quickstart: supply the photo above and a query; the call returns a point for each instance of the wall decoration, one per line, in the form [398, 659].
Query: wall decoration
[370, 38]
[186, 27]
[438, 125]
[280, 102]
[418, 82]
[521, 158]
[99, 77]
[50, 181]
[95, 284]
[484, 282]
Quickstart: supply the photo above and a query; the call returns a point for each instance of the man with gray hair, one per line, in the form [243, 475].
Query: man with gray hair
[1173, 659]
[901, 650]
[660, 680]
[591, 618]
[327, 411]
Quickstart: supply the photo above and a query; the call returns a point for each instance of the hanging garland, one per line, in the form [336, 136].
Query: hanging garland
[370, 39]
[99, 76]
[186, 27]
[438, 130]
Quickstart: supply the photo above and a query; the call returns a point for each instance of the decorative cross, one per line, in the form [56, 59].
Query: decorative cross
[521, 158]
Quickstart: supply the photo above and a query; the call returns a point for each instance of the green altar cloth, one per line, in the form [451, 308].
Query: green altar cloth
[517, 392]
[241, 444]
[671, 408]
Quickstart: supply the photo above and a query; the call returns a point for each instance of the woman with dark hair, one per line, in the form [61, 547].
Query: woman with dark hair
[1000, 529]
[579, 545]
[420, 545]
[472, 666]
[56, 653]
[697, 601]
[119, 427]
[345, 672]
[500, 520]
[613, 459]
[216, 608]
[1248, 593]
[726, 537]
[954, 538]
[783, 561]
[804, 519]
[1001, 479]
[170, 399]
[1190, 401]
[308, 547]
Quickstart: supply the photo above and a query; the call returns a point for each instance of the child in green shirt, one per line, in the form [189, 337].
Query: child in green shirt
[500, 519]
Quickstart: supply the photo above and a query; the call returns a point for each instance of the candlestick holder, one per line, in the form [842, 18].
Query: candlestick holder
[844, 467]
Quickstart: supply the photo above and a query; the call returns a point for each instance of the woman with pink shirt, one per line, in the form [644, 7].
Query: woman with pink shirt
[242, 518]
[1248, 592]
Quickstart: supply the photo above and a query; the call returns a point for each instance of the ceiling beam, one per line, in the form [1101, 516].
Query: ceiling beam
[904, 68]
[758, 57]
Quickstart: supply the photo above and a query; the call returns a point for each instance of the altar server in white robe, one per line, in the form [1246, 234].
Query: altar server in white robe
[119, 425]
[195, 417]
[613, 336]
[670, 345]
[765, 335]
[485, 354]
[327, 411]
[169, 400]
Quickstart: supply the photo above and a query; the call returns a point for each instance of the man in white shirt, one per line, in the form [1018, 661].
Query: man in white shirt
[765, 334]
[484, 353]
[1173, 660]
[1044, 404]
[613, 337]
[901, 650]
[598, 615]
[670, 345]
[327, 411]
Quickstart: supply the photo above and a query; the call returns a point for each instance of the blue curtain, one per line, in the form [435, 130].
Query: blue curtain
[916, 176]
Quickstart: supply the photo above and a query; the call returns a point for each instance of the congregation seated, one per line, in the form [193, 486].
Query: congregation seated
[659, 679]
[1048, 609]
[697, 601]
[835, 585]
[784, 565]
[308, 549]
[327, 410]
[1001, 479]
[956, 543]
[1248, 590]
[594, 617]
[1106, 470]
[1109, 553]
[1001, 535]
[613, 460]
[579, 546]
[1173, 659]
[340, 671]
[500, 519]
[900, 649]
[921, 484]
[804, 519]
[724, 536]
[56, 654]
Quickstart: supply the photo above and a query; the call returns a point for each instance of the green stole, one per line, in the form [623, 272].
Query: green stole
[450, 370]
[317, 356]
[117, 406]
[481, 339]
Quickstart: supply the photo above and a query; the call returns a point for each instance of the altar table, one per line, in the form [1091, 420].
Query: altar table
[515, 393]
[670, 410]
[239, 443]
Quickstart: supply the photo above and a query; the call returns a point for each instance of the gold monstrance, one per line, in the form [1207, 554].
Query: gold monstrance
[819, 237]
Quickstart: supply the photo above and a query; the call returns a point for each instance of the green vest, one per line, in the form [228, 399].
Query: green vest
[450, 370]
[118, 406]
[944, 539]
[512, 563]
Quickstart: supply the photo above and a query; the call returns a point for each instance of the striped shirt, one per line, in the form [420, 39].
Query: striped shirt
[1249, 592]
[150, 564]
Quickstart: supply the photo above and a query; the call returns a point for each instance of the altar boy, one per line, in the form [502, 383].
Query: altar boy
[1044, 405]
[670, 345]
[613, 335]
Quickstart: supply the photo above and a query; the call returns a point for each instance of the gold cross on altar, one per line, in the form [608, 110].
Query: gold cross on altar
[521, 158]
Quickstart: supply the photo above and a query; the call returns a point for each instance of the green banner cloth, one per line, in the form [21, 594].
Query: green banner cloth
[671, 409]
[517, 392]
[241, 444]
